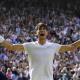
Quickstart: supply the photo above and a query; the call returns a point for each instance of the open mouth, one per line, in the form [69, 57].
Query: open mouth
[41, 34]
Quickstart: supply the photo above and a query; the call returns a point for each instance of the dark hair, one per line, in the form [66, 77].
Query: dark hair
[39, 25]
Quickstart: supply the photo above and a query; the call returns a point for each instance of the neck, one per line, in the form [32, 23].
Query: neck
[42, 41]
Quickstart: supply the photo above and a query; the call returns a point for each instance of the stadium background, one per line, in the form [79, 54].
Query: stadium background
[18, 19]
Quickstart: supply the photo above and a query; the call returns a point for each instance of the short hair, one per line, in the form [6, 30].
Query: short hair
[39, 25]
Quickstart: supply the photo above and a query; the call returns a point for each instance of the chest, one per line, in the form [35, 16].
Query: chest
[41, 52]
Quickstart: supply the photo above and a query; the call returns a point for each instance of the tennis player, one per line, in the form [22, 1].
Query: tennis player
[41, 53]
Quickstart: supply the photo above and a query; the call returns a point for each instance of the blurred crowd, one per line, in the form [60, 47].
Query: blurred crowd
[18, 26]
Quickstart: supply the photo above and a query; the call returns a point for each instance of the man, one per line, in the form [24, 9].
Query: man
[41, 53]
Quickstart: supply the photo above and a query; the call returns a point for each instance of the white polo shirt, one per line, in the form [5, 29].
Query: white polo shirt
[41, 59]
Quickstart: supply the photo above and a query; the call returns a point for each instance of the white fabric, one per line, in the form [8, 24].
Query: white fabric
[41, 59]
[1, 39]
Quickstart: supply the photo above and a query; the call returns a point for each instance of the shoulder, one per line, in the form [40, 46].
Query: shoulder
[52, 43]
[55, 45]
[27, 44]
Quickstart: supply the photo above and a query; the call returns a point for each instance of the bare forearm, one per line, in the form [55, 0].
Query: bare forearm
[70, 47]
[7, 45]
[10, 46]
[76, 44]
[65, 48]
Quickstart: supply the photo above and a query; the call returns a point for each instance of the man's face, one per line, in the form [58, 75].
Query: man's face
[42, 32]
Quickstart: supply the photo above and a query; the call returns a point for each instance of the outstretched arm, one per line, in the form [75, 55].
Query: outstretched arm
[13, 47]
[10, 46]
[76, 44]
[70, 47]
[65, 48]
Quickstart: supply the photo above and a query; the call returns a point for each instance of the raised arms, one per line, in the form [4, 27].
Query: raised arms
[70, 47]
[76, 44]
[13, 47]
[10, 46]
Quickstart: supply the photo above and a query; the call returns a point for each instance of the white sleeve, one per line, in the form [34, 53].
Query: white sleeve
[26, 46]
[57, 48]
